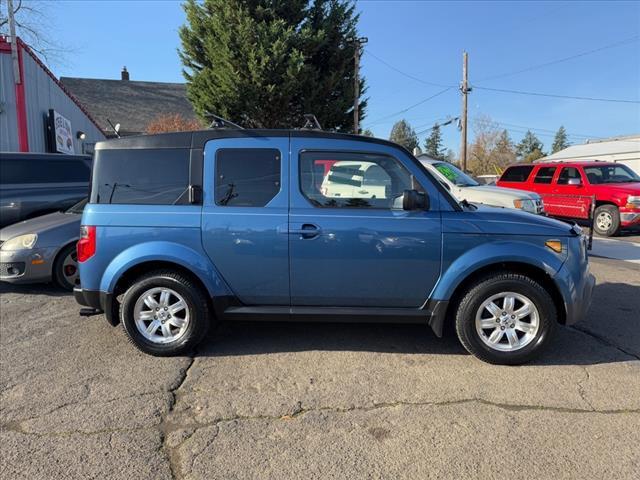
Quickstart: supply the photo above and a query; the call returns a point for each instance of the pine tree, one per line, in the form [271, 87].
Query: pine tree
[433, 144]
[504, 152]
[265, 63]
[560, 141]
[403, 134]
[529, 148]
[367, 133]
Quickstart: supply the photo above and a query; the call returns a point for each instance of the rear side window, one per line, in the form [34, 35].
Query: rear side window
[518, 173]
[141, 177]
[544, 175]
[39, 170]
[247, 177]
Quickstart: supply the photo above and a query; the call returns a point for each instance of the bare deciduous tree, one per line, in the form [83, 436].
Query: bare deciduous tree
[32, 23]
[172, 123]
[491, 150]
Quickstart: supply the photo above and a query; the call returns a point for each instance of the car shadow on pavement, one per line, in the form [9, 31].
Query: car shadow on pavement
[584, 344]
[34, 289]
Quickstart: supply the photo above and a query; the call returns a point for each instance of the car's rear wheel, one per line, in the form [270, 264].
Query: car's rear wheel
[65, 268]
[606, 220]
[165, 313]
[505, 318]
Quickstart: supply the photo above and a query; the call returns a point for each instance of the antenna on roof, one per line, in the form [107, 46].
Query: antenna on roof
[311, 122]
[219, 122]
[116, 128]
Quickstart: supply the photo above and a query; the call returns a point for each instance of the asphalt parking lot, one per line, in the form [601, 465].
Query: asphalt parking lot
[282, 401]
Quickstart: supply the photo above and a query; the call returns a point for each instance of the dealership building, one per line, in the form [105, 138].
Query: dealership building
[37, 112]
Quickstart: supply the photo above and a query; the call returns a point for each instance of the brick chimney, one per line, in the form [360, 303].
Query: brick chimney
[124, 75]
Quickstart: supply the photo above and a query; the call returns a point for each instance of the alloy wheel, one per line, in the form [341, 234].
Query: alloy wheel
[604, 221]
[161, 315]
[507, 321]
[70, 268]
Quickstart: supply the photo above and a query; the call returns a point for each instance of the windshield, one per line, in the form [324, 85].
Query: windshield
[78, 207]
[455, 175]
[611, 174]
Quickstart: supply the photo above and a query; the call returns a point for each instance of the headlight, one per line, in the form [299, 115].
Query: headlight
[21, 242]
[525, 204]
[633, 201]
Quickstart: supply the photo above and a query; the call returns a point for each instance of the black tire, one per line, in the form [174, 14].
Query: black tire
[485, 288]
[610, 224]
[196, 307]
[58, 273]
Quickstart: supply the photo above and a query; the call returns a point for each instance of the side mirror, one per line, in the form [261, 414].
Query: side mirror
[574, 181]
[414, 200]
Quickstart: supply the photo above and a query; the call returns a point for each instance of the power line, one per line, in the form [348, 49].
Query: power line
[565, 59]
[395, 114]
[551, 95]
[408, 75]
[578, 135]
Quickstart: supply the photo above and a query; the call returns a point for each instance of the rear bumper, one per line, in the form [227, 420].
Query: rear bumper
[101, 301]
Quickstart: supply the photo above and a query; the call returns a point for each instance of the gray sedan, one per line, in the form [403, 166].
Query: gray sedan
[42, 249]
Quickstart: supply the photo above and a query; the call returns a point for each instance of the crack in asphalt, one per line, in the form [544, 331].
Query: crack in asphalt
[299, 411]
[603, 340]
[582, 392]
[165, 426]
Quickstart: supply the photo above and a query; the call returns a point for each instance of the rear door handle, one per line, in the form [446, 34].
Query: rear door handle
[306, 230]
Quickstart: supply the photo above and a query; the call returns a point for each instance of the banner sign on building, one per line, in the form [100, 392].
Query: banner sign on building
[62, 133]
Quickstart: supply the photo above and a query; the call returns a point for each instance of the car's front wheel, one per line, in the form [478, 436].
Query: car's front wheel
[606, 220]
[505, 318]
[65, 268]
[165, 313]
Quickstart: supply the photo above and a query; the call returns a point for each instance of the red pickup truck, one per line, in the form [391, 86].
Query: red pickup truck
[567, 188]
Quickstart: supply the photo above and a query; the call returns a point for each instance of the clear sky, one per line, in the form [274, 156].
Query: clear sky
[424, 40]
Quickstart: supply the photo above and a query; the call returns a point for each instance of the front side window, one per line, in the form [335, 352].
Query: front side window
[247, 177]
[354, 180]
[568, 173]
[140, 176]
[544, 175]
[611, 174]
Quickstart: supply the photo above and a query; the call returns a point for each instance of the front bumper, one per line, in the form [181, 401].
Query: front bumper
[630, 219]
[33, 265]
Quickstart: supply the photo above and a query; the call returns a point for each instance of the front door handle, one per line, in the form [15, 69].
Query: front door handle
[306, 230]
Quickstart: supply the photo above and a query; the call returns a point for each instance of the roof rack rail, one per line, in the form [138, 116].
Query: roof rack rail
[311, 122]
[219, 122]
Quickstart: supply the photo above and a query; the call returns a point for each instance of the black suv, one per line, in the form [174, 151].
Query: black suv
[32, 184]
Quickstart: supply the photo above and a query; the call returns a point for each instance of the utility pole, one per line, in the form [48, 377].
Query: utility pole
[464, 88]
[359, 43]
[14, 42]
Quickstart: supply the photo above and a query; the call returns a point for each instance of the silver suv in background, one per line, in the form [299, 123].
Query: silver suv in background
[33, 184]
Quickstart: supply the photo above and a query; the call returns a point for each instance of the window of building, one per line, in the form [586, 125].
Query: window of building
[544, 175]
[141, 177]
[518, 173]
[354, 180]
[247, 177]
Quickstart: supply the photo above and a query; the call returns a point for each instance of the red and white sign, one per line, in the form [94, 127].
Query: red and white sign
[63, 134]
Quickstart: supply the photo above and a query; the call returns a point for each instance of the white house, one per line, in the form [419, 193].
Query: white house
[616, 149]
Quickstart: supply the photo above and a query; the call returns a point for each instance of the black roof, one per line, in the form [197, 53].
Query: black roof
[197, 139]
[132, 104]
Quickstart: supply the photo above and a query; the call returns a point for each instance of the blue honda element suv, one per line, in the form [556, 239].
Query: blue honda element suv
[185, 229]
